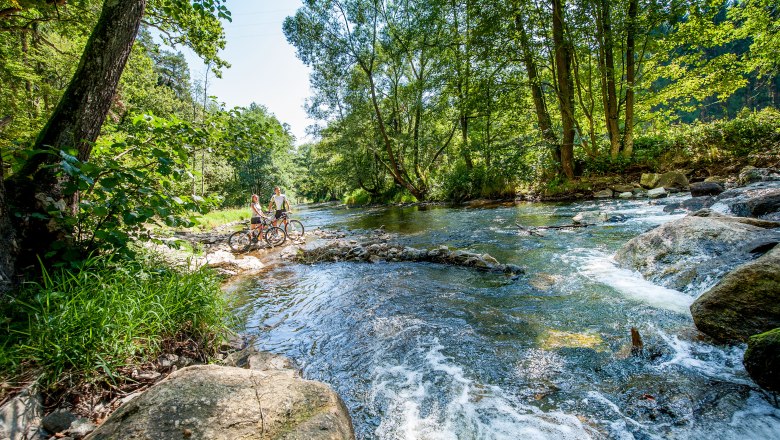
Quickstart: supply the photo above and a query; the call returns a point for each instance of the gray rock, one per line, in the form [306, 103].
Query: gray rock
[657, 193]
[706, 189]
[745, 302]
[672, 179]
[694, 252]
[760, 199]
[691, 205]
[750, 174]
[58, 421]
[603, 194]
[21, 416]
[80, 428]
[626, 195]
[212, 402]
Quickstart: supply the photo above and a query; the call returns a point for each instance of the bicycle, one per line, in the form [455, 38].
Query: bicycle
[241, 241]
[292, 228]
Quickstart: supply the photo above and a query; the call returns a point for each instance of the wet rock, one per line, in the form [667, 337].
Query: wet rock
[762, 359]
[208, 401]
[745, 302]
[657, 193]
[649, 180]
[750, 174]
[672, 179]
[760, 199]
[603, 194]
[706, 189]
[691, 205]
[590, 217]
[21, 416]
[626, 195]
[694, 252]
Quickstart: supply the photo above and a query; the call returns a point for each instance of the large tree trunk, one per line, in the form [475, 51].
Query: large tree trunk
[542, 115]
[628, 134]
[563, 59]
[75, 123]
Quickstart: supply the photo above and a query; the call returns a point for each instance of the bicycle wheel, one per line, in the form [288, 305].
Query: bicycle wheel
[239, 241]
[275, 236]
[294, 229]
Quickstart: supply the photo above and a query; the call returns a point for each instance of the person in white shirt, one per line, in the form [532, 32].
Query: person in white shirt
[279, 200]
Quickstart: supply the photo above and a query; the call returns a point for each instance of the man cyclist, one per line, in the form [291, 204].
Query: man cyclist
[281, 203]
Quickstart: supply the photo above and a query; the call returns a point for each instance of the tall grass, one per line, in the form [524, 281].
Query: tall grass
[108, 314]
[216, 218]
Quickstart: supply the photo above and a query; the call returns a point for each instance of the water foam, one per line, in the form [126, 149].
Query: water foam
[603, 269]
[436, 400]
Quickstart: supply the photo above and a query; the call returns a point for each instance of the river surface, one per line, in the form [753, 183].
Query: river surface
[428, 351]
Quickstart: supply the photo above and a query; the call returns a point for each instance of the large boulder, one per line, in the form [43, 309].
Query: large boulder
[672, 179]
[692, 253]
[751, 174]
[762, 359]
[649, 180]
[209, 401]
[760, 200]
[745, 302]
[706, 189]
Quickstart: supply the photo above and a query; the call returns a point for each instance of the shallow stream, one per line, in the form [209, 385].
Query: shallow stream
[427, 351]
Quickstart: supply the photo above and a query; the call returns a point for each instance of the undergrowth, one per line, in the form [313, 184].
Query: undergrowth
[85, 325]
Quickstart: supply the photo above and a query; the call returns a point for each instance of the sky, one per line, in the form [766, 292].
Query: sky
[264, 68]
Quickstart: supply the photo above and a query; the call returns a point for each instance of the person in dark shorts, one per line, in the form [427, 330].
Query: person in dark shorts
[280, 202]
[257, 214]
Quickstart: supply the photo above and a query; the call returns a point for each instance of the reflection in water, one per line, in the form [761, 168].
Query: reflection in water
[424, 351]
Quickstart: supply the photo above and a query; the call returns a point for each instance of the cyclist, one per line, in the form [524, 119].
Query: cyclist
[256, 221]
[282, 205]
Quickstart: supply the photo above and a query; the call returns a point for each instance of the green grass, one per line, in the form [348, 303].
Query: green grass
[216, 218]
[86, 325]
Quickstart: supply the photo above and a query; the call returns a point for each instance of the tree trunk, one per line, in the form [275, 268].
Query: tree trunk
[563, 58]
[542, 115]
[628, 133]
[8, 246]
[606, 50]
[75, 123]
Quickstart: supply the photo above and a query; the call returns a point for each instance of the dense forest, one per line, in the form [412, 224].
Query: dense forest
[434, 100]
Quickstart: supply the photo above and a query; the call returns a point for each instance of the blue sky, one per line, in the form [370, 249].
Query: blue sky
[264, 67]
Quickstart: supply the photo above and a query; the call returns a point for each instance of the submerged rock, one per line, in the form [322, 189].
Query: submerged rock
[762, 359]
[745, 302]
[695, 251]
[208, 401]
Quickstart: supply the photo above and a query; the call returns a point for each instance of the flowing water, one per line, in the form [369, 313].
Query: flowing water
[427, 351]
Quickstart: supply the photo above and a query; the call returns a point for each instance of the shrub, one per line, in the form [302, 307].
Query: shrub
[357, 197]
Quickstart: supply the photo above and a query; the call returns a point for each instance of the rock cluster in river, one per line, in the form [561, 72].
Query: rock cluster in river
[375, 252]
[735, 259]
[695, 251]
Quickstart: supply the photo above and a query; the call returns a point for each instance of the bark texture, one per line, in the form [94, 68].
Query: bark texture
[75, 123]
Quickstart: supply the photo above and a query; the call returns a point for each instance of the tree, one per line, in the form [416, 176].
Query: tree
[36, 194]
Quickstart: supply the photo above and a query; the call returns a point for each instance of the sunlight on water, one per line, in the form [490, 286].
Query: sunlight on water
[428, 351]
[470, 410]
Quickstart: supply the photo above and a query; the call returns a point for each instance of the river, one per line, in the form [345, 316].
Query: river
[427, 351]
